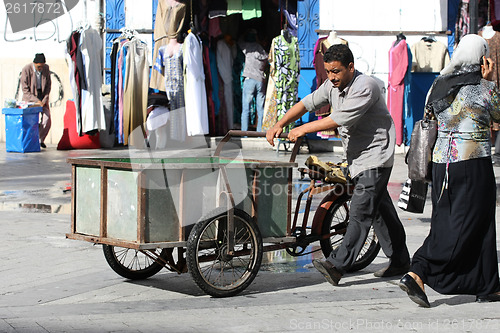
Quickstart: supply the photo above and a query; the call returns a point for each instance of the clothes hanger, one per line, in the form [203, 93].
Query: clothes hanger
[429, 39]
[284, 32]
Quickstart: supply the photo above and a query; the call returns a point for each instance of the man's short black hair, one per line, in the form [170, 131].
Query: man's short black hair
[340, 53]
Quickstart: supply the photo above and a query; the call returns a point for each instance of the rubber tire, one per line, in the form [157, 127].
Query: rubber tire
[364, 259]
[127, 272]
[192, 254]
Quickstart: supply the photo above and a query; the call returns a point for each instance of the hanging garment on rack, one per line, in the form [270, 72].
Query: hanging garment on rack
[429, 56]
[225, 67]
[322, 44]
[494, 45]
[171, 67]
[289, 10]
[398, 65]
[270, 106]
[287, 69]
[121, 66]
[74, 74]
[408, 119]
[462, 26]
[217, 8]
[209, 89]
[319, 66]
[92, 111]
[251, 9]
[194, 92]
[135, 91]
[169, 22]
[494, 12]
[234, 7]
[84, 59]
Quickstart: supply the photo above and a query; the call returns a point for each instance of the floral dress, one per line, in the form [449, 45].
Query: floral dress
[285, 60]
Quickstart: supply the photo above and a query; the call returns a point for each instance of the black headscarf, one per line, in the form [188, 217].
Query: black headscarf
[445, 88]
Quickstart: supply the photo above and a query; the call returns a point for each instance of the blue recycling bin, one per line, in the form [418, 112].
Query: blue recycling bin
[21, 129]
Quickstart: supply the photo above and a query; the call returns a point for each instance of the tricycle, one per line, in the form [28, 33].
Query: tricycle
[211, 216]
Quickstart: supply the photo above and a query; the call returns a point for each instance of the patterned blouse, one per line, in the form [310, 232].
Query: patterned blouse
[464, 127]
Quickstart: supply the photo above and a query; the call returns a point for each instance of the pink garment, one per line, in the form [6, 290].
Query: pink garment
[398, 64]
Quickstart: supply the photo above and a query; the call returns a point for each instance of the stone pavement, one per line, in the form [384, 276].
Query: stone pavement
[51, 284]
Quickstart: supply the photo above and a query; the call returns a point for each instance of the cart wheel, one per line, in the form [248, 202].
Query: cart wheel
[134, 264]
[215, 271]
[337, 220]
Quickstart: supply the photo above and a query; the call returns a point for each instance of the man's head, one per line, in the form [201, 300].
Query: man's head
[39, 61]
[339, 65]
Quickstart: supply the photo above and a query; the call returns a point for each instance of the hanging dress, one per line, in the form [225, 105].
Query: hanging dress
[195, 94]
[398, 65]
[135, 92]
[171, 67]
[286, 61]
[169, 23]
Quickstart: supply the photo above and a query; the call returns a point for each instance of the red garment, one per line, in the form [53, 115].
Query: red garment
[319, 65]
[398, 64]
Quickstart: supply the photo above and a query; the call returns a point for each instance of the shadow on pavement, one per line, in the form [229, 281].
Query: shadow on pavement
[264, 282]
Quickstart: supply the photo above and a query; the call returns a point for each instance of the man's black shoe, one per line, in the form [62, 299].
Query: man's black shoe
[392, 271]
[43, 145]
[416, 294]
[329, 271]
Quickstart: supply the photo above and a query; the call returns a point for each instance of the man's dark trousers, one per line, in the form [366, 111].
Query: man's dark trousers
[372, 205]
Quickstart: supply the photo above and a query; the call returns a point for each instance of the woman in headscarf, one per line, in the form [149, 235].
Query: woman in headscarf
[459, 256]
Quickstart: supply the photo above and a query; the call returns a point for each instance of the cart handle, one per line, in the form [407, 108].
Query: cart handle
[235, 133]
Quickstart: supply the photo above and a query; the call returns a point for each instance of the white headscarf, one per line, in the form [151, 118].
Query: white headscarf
[470, 51]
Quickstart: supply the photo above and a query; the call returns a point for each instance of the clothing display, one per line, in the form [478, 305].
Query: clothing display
[429, 55]
[84, 48]
[322, 44]
[462, 26]
[135, 91]
[270, 104]
[494, 45]
[250, 9]
[408, 114]
[398, 65]
[129, 85]
[171, 66]
[225, 67]
[92, 112]
[170, 21]
[195, 94]
[285, 76]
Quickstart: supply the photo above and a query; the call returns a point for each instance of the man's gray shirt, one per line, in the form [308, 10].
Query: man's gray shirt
[367, 130]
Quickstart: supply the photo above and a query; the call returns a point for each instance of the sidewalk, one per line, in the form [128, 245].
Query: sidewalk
[52, 284]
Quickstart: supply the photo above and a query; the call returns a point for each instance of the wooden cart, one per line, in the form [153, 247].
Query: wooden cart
[211, 216]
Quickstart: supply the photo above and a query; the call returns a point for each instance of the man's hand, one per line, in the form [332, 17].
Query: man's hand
[296, 133]
[272, 133]
[487, 69]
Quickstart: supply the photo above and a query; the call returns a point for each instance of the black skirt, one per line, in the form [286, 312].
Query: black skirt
[459, 256]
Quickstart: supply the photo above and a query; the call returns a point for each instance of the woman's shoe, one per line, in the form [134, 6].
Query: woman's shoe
[416, 294]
